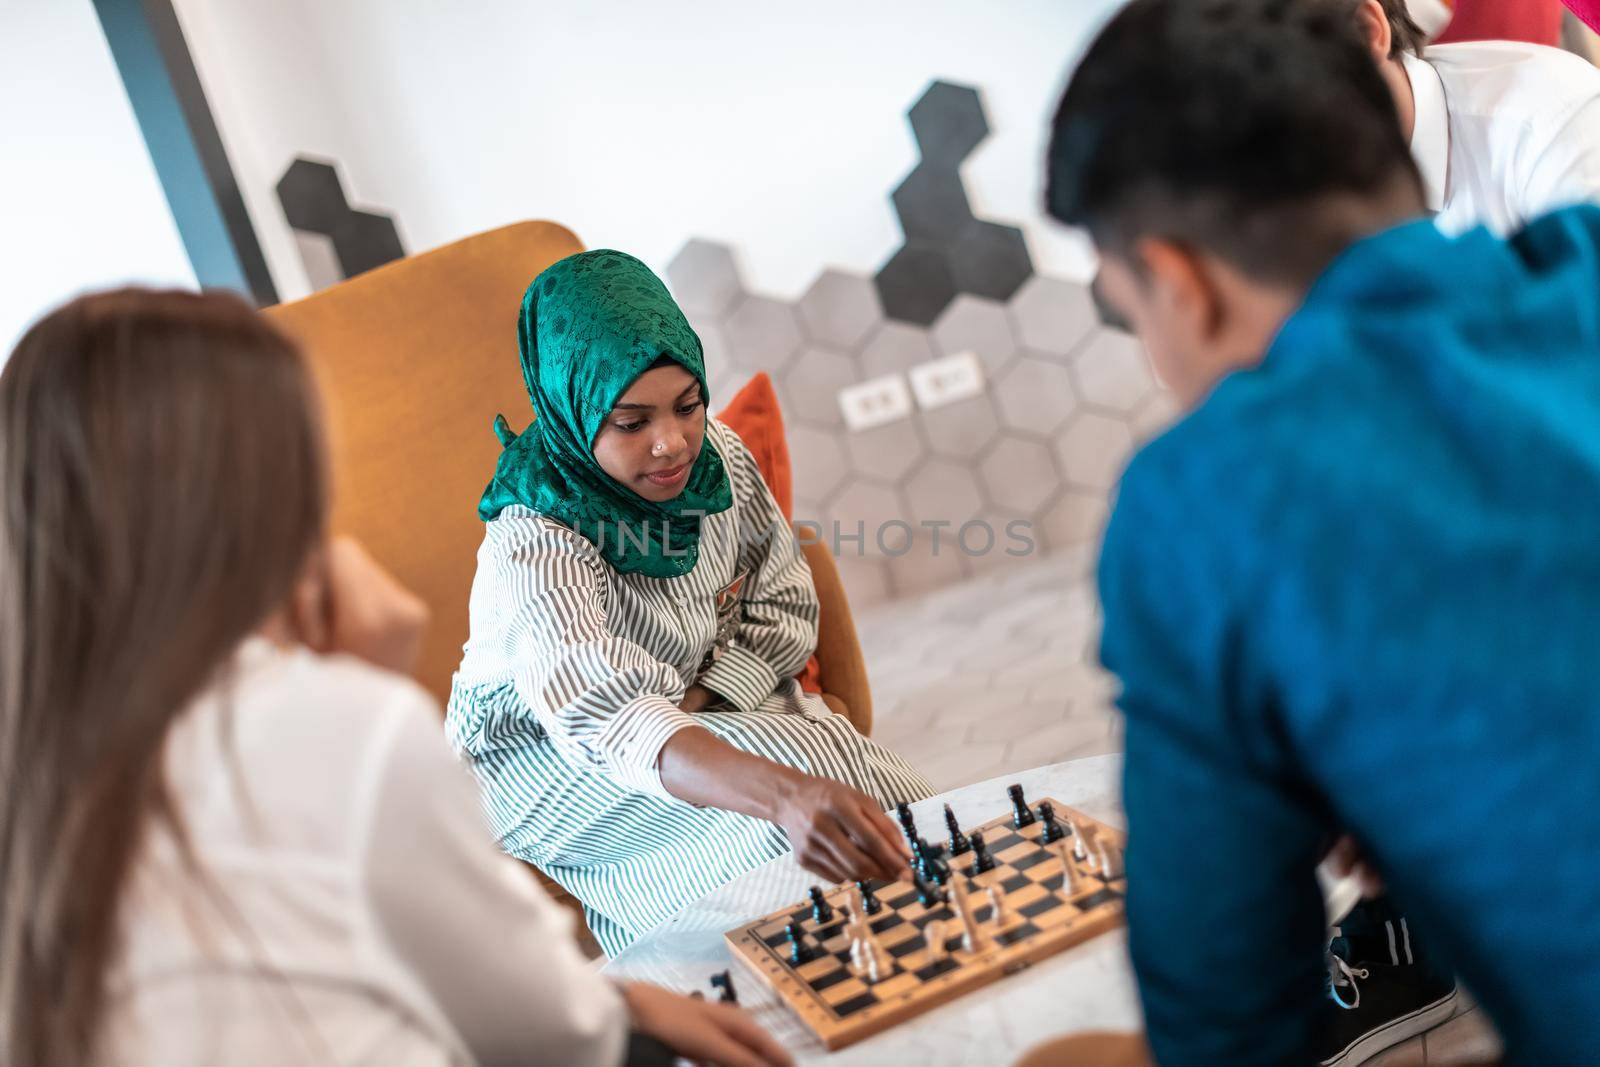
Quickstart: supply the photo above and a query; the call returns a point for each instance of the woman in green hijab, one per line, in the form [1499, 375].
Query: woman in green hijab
[627, 694]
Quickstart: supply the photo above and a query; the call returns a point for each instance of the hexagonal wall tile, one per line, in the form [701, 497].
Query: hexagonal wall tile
[867, 506]
[932, 205]
[895, 348]
[961, 430]
[865, 579]
[921, 568]
[974, 324]
[813, 380]
[1008, 541]
[840, 309]
[941, 491]
[719, 369]
[887, 452]
[1093, 449]
[762, 333]
[704, 278]
[312, 196]
[988, 259]
[1019, 475]
[948, 122]
[1053, 316]
[915, 284]
[1113, 371]
[819, 462]
[1072, 520]
[1035, 396]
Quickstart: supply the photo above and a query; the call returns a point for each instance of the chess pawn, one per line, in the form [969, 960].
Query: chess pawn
[933, 934]
[999, 914]
[1078, 851]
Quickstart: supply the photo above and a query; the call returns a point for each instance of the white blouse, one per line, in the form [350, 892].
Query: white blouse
[351, 908]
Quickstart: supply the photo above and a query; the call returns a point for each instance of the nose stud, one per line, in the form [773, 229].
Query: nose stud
[658, 449]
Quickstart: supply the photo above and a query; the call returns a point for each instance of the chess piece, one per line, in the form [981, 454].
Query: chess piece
[821, 910]
[928, 894]
[1078, 849]
[855, 908]
[1110, 859]
[981, 860]
[799, 951]
[869, 900]
[908, 825]
[999, 914]
[1020, 815]
[1051, 830]
[933, 934]
[932, 863]
[1071, 877]
[958, 840]
[724, 983]
[972, 939]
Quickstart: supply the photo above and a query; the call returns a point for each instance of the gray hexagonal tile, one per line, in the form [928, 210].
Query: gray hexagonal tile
[922, 568]
[895, 348]
[1009, 541]
[1113, 371]
[868, 507]
[866, 580]
[819, 463]
[1035, 395]
[1053, 316]
[840, 309]
[704, 278]
[974, 324]
[943, 492]
[1073, 520]
[948, 122]
[719, 368]
[887, 452]
[988, 259]
[311, 196]
[1093, 449]
[961, 430]
[762, 333]
[932, 205]
[813, 380]
[1019, 475]
[915, 285]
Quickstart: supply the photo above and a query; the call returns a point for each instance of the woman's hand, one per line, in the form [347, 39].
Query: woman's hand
[348, 603]
[702, 1031]
[838, 832]
[1346, 859]
[697, 698]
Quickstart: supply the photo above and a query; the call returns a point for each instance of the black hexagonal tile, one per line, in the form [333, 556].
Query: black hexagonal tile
[948, 122]
[364, 240]
[932, 205]
[311, 195]
[915, 285]
[990, 260]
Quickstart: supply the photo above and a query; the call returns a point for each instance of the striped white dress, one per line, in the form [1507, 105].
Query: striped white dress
[570, 685]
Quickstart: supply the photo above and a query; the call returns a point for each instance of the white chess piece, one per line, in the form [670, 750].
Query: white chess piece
[1110, 859]
[1073, 883]
[1077, 841]
[933, 934]
[972, 939]
[999, 914]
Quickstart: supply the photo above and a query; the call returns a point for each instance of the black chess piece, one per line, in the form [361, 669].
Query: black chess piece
[1021, 816]
[907, 824]
[958, 840]
[724, 983]
[821, 910]
[799, 951]
[928, 894]
[934, 867]
[1051, 830]
[869, 899]
[981, 860]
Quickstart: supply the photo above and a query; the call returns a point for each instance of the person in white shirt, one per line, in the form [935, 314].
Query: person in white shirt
[231, 830]
[1502, 131]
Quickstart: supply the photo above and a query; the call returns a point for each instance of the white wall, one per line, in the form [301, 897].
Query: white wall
[80, 206]
[776, 128]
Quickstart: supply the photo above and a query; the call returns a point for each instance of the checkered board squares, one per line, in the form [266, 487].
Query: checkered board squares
[841, 1006]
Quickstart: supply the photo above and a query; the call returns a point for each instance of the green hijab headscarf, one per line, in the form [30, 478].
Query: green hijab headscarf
[590, 325]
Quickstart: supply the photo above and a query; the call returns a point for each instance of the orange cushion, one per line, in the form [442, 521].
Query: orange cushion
[753, 414]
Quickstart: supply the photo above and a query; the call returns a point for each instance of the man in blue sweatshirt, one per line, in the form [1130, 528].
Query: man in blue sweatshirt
[1356, 590]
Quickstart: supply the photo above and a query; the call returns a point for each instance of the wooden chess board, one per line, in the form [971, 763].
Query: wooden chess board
[842, 1007]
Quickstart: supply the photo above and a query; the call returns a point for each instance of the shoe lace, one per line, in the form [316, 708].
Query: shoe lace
[1342, 976]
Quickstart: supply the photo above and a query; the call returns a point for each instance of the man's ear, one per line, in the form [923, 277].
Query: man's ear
[1182, 286]
[1374, 27]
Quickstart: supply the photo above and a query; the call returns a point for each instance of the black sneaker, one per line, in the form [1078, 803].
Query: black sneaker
[1379, 993]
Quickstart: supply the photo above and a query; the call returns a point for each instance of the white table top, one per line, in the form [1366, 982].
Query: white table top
[1089, 987]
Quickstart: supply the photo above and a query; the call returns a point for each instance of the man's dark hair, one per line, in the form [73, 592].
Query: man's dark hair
[1248, 128]
[1404, 33]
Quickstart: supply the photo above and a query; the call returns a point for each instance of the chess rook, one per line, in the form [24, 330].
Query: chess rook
[1021, 815]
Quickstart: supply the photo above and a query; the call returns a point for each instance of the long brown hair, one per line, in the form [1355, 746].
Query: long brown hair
[163, 482]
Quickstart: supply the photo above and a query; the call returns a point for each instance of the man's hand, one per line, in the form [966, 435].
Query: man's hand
[702, 1031]
[348, 603]
[837, 831]
[1345, 859]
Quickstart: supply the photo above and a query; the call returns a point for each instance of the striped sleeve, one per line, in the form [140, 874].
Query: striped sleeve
[602, 699]
[778, 631]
